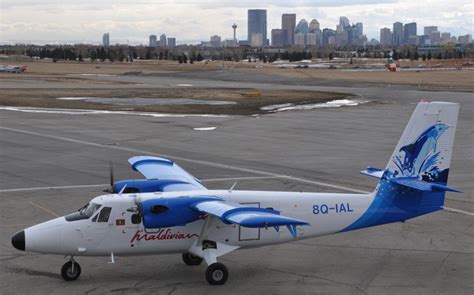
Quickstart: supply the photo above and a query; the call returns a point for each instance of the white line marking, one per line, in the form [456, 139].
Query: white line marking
[211, 164]
[44, 209]
[43, 188]
[239, 178]
[458, 211]
[105, 185]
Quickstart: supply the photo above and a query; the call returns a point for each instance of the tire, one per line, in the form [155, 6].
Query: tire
[217, 274]
[68, 274]
[190, 259]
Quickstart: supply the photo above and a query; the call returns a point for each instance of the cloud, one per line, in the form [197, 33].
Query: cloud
[87, 20]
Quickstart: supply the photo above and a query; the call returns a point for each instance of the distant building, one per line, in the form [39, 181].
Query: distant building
[288, 23]
[300, 39]
[279, 37]
[360, 29]
[413, 40]
[311, 39]
[302, 29]
[343, 21]
[162, 40]
[429, 29]
[332, 40]
[234, 28]
[256, 40]
[435, 37]
[385, 37]
[342, 38]
[313, 26]
[408, 31]
[445, 37]
[327, 33]
[257, 24]
[423, 40]
[153, 40]
[215, 41]
[171, 42]
[106, 40]
[397, 34]
[466, 39]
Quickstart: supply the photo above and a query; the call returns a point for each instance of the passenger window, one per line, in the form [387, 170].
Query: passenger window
[104, 214]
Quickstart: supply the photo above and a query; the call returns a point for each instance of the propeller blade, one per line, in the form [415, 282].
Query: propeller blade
[111, 179]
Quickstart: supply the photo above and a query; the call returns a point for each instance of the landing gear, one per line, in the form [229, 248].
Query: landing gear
[71, 270]
[217, 274]
[190, 259]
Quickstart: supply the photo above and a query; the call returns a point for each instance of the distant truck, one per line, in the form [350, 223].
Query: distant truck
[12, 69]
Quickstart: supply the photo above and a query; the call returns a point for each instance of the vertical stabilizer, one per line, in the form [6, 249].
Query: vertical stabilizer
[425, 148]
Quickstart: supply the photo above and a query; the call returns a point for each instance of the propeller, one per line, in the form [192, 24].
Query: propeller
[111, 179]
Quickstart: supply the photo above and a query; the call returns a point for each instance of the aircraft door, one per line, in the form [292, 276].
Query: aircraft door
[249, 234]
[99, 226]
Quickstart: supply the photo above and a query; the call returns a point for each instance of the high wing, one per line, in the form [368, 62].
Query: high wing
[232, 213]
[172, 176]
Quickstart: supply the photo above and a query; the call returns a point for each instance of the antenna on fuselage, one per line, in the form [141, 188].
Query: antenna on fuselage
[232, 187]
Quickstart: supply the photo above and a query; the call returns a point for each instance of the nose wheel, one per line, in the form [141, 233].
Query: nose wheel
[217, 274]
[71, 270]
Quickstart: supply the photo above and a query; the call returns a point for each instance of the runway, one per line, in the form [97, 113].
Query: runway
[52, 164]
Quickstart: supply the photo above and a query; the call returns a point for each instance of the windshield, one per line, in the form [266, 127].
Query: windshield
[84, 213]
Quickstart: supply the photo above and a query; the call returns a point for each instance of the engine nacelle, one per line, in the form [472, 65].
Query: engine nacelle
[169, 212]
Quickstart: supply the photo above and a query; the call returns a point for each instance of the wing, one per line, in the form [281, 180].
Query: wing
[251, 217]
[166, 171]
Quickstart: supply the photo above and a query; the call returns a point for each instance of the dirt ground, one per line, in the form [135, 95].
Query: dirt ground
[462, 80]
[248, 101]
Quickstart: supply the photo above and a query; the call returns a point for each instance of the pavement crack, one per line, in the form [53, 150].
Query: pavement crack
[356, 287]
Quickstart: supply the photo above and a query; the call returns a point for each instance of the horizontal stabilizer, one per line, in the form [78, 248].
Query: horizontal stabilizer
[415, 183]
[373, 172]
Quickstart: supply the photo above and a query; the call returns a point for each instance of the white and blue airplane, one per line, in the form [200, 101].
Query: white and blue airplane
[172, 212]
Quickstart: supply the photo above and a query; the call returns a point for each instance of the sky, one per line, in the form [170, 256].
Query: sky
[77, 21]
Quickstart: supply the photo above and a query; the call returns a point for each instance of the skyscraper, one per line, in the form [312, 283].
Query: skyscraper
[279, 37]
[106, 40]
[429, 29]
[360, 29]
[152, 41]
[171, 42]
[313, 26]
[288, 23]
[385, 37]
[397, 35]
[163, 40]
[301, 32]
[343, 21]
[328, 33]
[257, 24]
[408, 31]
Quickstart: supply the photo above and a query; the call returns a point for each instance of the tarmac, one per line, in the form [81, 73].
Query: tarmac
[52, 164]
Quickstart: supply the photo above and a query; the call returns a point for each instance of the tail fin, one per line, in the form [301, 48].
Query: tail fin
[425, 148]
[415, 179]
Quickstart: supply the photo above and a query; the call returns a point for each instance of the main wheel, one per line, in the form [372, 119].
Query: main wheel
[71, 270]
[217, 274]
[191, 259]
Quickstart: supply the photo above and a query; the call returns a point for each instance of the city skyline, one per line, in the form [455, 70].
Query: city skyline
[134, 24]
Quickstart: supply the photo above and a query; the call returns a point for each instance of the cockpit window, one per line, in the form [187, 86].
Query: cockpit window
[84, 213]
[104, 214]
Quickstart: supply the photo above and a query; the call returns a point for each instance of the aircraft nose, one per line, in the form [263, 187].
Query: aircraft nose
[18, 240]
